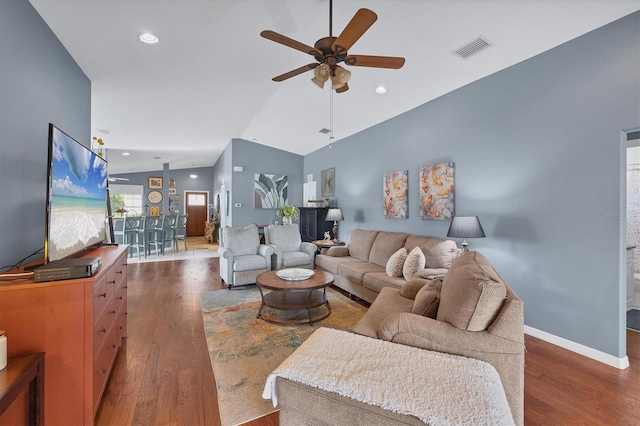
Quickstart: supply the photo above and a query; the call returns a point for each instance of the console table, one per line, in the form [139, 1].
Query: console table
[24, 372]
[79, 324]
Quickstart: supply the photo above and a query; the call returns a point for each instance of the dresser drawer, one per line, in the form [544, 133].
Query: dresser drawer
[102, 365]
[103, 325]
[100, 297]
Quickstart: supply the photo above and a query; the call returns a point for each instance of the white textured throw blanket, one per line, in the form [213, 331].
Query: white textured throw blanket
[439, 389]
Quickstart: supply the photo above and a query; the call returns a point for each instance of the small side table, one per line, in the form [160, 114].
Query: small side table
[23, 371]
[323, 245]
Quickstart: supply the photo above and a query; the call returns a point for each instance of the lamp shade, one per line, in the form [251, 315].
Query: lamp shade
[465, 227]
[333, 215]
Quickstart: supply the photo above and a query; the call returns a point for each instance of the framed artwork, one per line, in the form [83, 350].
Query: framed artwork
[437, 192]
[155, 211]
[172, 191]
[155, 183]
[172, 182]
[328, 182]
[395, 189]
[270, 191]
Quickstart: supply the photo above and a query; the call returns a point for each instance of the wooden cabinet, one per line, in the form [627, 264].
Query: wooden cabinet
[79, 324]
[313, 224]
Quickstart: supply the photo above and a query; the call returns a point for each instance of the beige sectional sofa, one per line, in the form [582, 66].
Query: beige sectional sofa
[472, 312]
[360, 267]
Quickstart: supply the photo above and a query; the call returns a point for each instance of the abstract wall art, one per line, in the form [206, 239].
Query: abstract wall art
[395, 187]
[437, 191]
[270, 191]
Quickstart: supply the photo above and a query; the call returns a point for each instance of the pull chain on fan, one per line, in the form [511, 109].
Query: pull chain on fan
[331, 51]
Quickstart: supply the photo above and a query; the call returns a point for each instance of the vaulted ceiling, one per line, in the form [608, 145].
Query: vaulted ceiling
[208, 79]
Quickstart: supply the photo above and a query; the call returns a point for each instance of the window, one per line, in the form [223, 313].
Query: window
[196, 200]
[126, 197]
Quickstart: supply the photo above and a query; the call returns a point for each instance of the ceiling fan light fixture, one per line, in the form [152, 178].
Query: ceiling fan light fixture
[321, 74]
[381, 89]
[340, 77]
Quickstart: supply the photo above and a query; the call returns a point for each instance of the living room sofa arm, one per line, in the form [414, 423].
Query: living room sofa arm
[266, 251]
[338, 251]
[427, 333]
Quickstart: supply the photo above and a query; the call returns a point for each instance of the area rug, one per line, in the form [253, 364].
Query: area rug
[633, 319]
[244, 350]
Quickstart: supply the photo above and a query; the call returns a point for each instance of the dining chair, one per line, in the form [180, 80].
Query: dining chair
[180, 231]
[131, 224]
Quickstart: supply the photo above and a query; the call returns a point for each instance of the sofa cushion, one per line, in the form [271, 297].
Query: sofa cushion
[439, 253]
[385, 245]
[472, 293]
[431, 273]
[396, 262]
[387, 303]
[415, 260]
[295, 258]
[427, 299]
[360, 243]
[354, 271]
[376, 281]
[330, 263]
[248, 262]
[410, 288]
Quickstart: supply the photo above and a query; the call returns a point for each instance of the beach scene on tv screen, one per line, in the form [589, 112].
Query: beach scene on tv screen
[77, 198]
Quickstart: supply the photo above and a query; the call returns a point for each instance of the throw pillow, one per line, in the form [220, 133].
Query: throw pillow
[472, 293]
[428, 299]
[415, 260]
[396, 262]
[410, 288]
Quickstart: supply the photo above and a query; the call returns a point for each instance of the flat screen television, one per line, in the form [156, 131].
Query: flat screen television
[77, 197]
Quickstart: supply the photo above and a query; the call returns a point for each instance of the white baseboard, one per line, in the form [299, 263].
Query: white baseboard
[620, 363]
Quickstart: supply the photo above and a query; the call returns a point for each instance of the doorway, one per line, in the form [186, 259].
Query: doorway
[196, 206]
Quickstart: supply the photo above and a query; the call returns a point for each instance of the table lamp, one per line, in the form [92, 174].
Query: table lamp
[334, 215]
[465, 227]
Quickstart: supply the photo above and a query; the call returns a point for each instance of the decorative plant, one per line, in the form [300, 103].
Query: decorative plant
[100, 144]
[287, 211]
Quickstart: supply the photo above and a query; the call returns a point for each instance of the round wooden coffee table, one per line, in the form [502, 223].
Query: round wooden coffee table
[288, 295]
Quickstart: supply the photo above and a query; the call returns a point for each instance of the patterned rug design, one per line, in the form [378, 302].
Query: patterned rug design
[633, 319]
[244, 350]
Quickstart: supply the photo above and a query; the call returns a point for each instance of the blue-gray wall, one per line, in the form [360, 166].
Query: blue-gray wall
[39, 84]
[255, 158]
[538, 154]
[183, 182]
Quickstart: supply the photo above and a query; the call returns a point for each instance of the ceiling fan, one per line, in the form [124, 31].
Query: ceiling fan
[330, 51]
[116, 179]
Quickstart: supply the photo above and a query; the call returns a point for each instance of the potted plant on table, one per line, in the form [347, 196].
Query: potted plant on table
[287, 213]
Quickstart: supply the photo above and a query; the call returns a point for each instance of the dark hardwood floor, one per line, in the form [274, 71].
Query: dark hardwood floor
[163, 374]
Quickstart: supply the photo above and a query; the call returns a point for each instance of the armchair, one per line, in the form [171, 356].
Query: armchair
[242, 257]
[288, 247]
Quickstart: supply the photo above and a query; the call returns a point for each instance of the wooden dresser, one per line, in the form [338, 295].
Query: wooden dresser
[79, 324]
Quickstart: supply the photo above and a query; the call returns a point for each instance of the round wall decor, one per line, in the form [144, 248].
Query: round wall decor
[154, 197]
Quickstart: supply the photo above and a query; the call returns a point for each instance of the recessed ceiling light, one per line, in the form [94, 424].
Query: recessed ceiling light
[193, 176]
[381, 89]
[148, 38]
[126, 153]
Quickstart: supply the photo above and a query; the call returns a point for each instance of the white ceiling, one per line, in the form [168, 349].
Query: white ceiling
[208, 80]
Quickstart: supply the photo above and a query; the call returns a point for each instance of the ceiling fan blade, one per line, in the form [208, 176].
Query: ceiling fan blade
[358, 25]
[374, 61]
[289, 42]
[343, 88]
[295, 72]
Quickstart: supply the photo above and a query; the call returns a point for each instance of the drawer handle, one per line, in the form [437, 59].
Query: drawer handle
[102, 295]
[118, 272]
[112, 312]
[103, 371]
[125, 286]
[112, 282]
[113, 346]
[121, 327]
[119, 298]
[104, 330]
